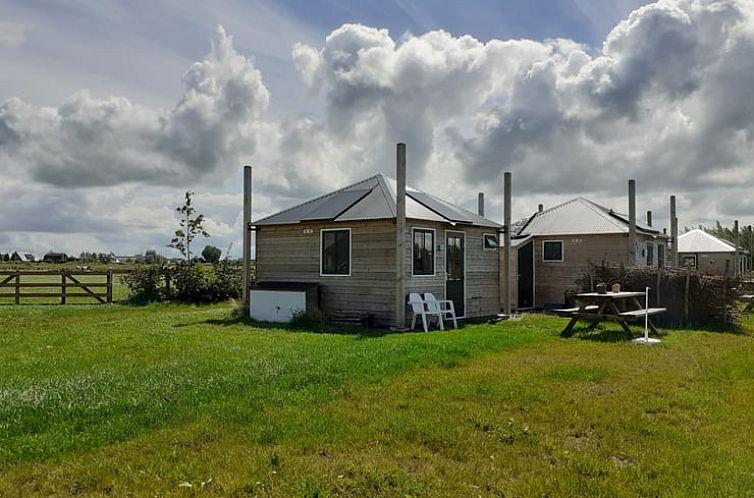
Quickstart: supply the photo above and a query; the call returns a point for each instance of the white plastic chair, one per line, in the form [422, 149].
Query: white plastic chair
[419, 308]
[444, 307]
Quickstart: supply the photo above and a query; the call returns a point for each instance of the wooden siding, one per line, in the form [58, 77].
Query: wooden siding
[552, 279]
[712, 262]
[287, 253]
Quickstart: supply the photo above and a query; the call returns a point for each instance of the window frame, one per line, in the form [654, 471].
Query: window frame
[649, 248]
[322, 252]
[562, 251]
[484, 241]
[434, 252]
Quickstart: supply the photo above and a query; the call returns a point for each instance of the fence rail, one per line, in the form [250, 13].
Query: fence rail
[58, 284]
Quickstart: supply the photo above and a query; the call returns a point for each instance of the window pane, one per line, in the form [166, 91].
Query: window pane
[490, 241]
[336, 252]
[424, 252]
[650, 253]
[553, 251]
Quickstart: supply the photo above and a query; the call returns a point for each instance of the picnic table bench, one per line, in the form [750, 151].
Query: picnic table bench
[596, 307]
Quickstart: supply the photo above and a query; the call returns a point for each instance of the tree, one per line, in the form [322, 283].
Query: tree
[190, 227]
[211, 254]
[151, 257]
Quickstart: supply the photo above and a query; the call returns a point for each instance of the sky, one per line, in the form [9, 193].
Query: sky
[111, 110]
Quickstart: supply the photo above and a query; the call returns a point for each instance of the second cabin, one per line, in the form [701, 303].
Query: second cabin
[555, 247]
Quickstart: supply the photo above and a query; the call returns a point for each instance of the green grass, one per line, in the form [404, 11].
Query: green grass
[179, 400]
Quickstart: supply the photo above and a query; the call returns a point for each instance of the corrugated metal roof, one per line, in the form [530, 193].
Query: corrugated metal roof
[374, 198]
[700, 241]
[579, 216]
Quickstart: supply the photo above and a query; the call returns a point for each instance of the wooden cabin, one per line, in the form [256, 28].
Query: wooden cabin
[553, 248]
[707, 253]
[345, 244]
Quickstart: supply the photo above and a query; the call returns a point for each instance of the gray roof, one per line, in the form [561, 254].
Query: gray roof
[578, 217]
[374, 199]
[700, 241]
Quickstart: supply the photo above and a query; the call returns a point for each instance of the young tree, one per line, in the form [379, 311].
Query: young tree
[190, 227]
[211, 254]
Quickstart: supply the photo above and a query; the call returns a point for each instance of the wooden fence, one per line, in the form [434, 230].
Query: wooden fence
[58, 284]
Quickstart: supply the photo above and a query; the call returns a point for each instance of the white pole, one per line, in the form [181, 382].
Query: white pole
[646, 315]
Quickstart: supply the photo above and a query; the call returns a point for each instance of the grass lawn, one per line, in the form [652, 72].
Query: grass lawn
[176, 400]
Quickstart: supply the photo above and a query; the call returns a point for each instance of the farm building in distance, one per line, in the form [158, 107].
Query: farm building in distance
[707, 253]
[554, 247]
[55, 257]
[345, 244]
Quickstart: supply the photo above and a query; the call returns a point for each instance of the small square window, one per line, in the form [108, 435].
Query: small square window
[552, 250]
[490, 241]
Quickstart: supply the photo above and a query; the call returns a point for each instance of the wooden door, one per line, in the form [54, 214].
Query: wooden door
[455, 269]
[526, 276]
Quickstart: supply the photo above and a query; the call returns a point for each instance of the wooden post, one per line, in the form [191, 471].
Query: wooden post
[62, 286]
[631, 223]
[400, 236]
[18, 288]
[725, 299]
[480, 204]
[245, 281]
[673, 233]
[657, 289]
[686, 297]
[109, 286]
[737, 242]
[507, 234]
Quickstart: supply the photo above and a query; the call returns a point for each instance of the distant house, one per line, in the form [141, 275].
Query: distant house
[345, 243]
[122, 260]
[55, 257]
[23, 257]
[705, 252]
[554, 247]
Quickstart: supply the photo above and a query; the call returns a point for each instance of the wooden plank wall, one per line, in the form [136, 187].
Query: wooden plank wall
[553, 279]
[287, 253]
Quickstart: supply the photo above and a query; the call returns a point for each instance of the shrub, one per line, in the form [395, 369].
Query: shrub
[187, 282]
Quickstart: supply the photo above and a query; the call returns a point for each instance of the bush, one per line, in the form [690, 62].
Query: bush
[186, 282]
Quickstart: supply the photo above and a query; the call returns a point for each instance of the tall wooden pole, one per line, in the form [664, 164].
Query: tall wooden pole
[737, 242]
[507, 235]
[480, 204]
[631, 223]
[400, 236]
[673, 233]
[246, 281]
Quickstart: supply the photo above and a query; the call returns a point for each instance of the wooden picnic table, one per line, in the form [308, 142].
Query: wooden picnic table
[596, 307]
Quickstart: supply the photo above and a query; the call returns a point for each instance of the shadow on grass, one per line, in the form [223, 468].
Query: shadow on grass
[239, 318]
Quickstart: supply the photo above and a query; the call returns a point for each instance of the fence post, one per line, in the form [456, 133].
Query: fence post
[657, 289]
[725, 300]
[62, 286]
[686, 298]
[109, 286]
[18, 287]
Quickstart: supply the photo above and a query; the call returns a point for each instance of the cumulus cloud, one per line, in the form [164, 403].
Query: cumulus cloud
[667, 99]
[90, 141]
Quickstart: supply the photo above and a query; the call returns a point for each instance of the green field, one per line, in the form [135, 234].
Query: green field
[177, 400]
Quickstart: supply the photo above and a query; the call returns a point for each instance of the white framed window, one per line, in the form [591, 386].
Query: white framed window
[335, 252]
[489, 241]
[423, 252]
[552, 250]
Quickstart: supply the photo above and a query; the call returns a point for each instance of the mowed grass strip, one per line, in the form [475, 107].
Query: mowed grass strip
[73, 379]
[504, 410]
